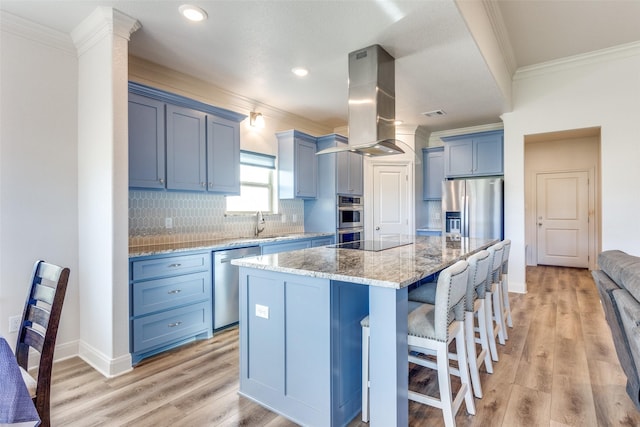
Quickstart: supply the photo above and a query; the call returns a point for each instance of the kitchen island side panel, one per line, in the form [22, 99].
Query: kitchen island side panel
[349, 305]
[285, 358]
[304, 361]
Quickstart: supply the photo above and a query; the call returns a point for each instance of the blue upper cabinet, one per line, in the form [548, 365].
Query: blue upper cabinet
[433, 172]
[297, 165]
[477, 154]
[223, 156]
[349, 173]
[346, 167]
[181, 144]
[186, 149]
[146, 142]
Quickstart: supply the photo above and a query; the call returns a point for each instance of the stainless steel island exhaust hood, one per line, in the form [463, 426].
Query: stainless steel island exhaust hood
[372, 104]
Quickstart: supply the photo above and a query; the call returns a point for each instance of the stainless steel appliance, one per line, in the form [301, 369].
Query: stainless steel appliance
[225, 285]
[372, 129]
[350, 212]
[473, 208]
[353, 234]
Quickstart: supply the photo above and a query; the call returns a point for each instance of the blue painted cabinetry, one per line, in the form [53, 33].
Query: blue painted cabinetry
[477, 154]
[274, 248]
[146, 142]
[171, 303]
[297, 165]
[345, 166]
[186, 149]
[433, 172]
[182, 144]
[300, 347]
[223, 155]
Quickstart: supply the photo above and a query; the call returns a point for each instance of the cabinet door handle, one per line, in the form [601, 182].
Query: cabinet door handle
[203, 184]
[174, 324]
[161, 180]
[175, 265]
[174, 291]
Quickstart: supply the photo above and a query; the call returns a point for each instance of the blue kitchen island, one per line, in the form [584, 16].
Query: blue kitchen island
[300, 334]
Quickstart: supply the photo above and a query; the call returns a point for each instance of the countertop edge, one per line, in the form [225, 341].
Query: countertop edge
[218, 244]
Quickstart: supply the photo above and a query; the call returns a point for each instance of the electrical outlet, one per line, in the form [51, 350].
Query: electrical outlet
[168, 223]
[262, 311]
[14, 323]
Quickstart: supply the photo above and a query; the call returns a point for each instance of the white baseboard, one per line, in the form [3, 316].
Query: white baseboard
[106, 366]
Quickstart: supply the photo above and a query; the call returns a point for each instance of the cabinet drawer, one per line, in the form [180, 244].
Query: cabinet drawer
[161, 294]
[171, 266]
[173, 325]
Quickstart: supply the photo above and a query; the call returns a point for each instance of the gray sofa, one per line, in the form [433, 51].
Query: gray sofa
[618, 282]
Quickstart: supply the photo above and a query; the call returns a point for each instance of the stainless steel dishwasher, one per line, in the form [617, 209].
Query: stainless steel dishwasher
[225, 285]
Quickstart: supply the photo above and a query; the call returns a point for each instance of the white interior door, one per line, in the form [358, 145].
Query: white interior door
[390, 201]
[562, 201]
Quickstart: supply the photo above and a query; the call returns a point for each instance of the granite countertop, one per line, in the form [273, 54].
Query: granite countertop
[392, 268]
[217, 244]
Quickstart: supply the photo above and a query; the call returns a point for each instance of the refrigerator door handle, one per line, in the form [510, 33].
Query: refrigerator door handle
[465, 217]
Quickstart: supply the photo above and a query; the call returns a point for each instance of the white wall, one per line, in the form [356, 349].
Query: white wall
[38, 168]
[596, 90]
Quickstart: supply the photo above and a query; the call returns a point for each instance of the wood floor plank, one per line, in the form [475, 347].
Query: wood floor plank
[558, 368]
[527, 407]
[572, 402]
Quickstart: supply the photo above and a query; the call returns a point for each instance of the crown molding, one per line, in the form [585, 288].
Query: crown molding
[502, 35]
[37, 33]
[435, 138]
[597, 56]
[102, 22]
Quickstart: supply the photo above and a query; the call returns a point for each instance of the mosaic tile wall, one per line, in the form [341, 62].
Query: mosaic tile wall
[434, 213]
[198, 217]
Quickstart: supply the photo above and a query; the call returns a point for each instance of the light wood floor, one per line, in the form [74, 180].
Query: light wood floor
[558, 368]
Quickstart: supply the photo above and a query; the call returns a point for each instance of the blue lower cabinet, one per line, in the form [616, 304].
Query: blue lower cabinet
[274, 248]
[300, 347]
[170, 302]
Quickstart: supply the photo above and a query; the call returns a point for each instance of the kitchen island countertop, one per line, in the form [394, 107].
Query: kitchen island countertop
[300, 334]
[391, 268]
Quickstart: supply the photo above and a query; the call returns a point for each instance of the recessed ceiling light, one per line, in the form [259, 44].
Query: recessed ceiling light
[300, 71]
[193, 13]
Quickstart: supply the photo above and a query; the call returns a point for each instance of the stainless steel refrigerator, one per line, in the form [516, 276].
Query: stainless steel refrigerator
[473, 208]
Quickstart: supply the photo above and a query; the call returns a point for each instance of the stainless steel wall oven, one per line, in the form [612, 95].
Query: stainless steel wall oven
[350, 212]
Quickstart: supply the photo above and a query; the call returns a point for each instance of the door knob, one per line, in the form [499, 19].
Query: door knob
[539, 224]
[377, 228]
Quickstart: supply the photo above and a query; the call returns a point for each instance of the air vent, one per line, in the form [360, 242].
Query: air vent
[434, 113]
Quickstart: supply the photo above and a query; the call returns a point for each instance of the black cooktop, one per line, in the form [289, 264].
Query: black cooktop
[372, 245]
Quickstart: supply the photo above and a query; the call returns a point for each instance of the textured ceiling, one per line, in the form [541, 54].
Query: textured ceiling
[249, 47]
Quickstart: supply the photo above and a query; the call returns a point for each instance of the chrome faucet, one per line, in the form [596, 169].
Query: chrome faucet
[260, 224]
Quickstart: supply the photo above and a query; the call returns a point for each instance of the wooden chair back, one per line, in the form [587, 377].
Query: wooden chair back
[39, 327]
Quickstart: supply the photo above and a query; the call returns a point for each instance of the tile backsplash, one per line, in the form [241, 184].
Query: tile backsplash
[198, 217]
[434, 214]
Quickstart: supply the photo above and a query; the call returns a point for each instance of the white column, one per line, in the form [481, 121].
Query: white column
[102, 43]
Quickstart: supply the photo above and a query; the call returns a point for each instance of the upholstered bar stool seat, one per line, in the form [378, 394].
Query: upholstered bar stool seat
[474, 309]
[431, 328]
